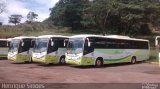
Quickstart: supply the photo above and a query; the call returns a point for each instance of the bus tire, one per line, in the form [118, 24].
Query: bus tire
[133, 60]
[62, 60]
[99, 62]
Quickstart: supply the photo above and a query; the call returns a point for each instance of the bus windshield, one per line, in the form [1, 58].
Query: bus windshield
[41, 45]
[14, 44]
[75, 45]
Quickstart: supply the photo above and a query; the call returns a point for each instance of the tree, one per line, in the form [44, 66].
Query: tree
[123, 16]
[15, 19]
[126, 17]
[68, 12]
[31, 16]
[102, 13]
[2, 7]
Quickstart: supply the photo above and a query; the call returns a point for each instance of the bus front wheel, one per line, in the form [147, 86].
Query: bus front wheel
[99, 62]
[62, 60]
[133, 60]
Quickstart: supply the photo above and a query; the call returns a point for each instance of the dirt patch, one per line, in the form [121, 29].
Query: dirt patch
[153, 72]
[33, 73]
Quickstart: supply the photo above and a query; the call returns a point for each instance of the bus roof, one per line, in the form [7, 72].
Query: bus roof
[109, 36]
[24, 37]
[157, 37]
[49, 36]
[3, 39]
[9, 39]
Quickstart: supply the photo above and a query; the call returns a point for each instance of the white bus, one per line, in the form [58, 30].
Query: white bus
[98, 50]
[50, 49]
[157, 44]
[20, 49]
[4, 48]
[157, 41]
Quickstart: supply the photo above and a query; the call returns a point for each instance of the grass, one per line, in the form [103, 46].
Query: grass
[34, 29]
[37, 28]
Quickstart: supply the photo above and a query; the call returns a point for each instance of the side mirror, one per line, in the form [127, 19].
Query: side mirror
[22, 44]
[32, 43]
[7, 44]
[156, 42]
[52, 44]
[64, 44]
[89, 44]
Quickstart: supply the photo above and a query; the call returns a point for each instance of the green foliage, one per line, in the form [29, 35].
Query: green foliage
[124, 16]
[68, 13]
[34, 29]
[127, 17]
[153, 55]
[15, 19]
[31, 16]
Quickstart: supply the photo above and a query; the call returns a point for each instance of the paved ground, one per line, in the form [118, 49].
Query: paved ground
[119, 73]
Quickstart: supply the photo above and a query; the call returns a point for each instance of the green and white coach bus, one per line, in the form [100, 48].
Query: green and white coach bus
[157, 41]
[50, 49]
[157, 44]
[20, 49]
[4, 48]
[98, 50]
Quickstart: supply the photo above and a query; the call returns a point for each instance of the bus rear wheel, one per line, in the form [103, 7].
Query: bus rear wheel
[133, 60]
[99, 62]
[62, 60]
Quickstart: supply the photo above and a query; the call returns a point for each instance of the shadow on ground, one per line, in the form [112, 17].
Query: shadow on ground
[106, 65]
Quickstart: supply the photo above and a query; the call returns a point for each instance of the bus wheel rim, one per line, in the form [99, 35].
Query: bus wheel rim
[62, 61]
[99, 63]
[133, 60]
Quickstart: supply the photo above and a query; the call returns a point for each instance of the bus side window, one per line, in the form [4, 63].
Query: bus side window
[8, 44]
[100, 43]
[26, 46]
[3, 44]
[61, 43]
[50, 48]
[65, 43]
[110, 43]
[54, 47]
[32, 43]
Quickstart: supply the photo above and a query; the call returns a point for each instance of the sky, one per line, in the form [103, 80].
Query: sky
[23, 7]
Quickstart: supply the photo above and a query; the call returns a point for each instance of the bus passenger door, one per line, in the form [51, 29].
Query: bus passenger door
[52, 47]
[89, 51]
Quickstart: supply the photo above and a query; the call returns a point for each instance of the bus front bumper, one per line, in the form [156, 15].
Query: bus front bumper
[46, 59]
[19, 58]
[83, 61]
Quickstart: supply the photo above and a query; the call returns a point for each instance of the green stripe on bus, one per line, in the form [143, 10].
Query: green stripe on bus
[119, 59]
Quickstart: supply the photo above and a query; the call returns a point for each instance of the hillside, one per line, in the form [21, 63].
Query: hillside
[41, 28]
[33, 29]
[116, 17]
